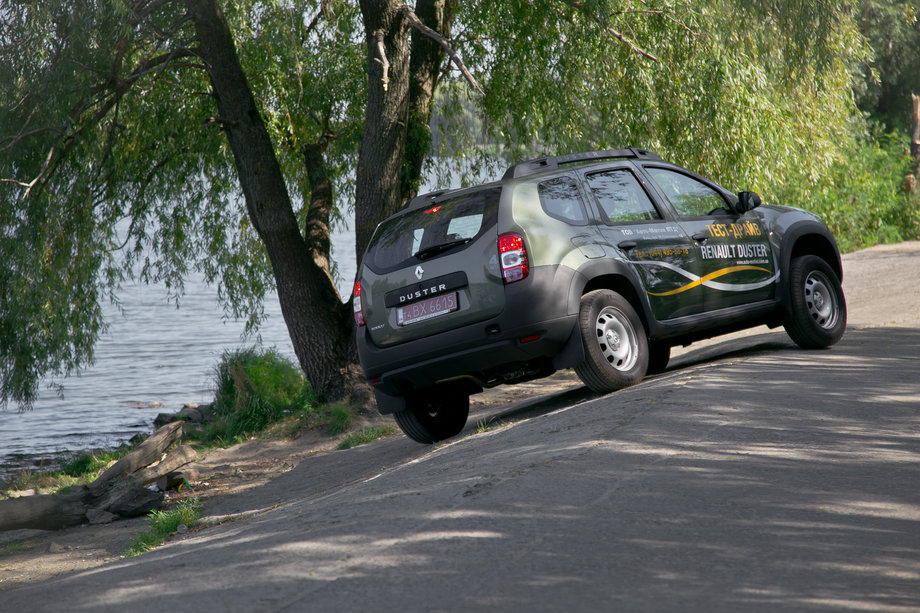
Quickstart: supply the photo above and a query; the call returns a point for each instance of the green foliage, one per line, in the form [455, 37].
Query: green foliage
[254, 389]
[113, 164]
[79, 471]
[52, 482]
[161, 525]
[336, 418]
[92, 464]
[368, 435]
[487, 425]
[747, 104]
[861, 197]
[885, 84]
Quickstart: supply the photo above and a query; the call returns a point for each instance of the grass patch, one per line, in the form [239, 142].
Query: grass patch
[487, 425]
[161, 525]
[368, 435]
[254, 390]
[12, 548]
[93, 463]
[80, 471]
[335, 417]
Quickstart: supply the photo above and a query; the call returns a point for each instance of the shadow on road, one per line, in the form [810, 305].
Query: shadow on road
[770, 479]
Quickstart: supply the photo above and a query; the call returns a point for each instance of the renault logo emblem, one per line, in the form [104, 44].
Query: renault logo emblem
[419, 272]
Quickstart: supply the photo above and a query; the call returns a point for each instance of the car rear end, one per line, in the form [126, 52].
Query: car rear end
[445, 300]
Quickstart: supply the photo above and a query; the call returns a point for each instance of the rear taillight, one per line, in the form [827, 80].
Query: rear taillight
[359, 314]
[513, 257]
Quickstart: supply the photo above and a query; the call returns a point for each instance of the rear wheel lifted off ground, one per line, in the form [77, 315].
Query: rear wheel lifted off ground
[434, 415]
[616, 348]
[817, 312]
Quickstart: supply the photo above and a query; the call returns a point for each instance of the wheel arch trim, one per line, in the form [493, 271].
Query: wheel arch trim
[807, 238]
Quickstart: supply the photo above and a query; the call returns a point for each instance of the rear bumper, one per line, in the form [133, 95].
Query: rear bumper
[535, 325]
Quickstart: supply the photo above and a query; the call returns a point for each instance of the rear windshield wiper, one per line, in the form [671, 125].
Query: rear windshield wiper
[427, 252]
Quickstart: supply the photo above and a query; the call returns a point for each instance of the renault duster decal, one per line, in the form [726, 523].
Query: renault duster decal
[707, 280]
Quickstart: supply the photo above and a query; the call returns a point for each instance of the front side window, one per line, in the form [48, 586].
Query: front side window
[437, 228]
[621, 196]
[689, 197]
[560, 198]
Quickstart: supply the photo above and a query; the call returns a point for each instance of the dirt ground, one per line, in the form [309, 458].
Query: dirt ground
[29, 556]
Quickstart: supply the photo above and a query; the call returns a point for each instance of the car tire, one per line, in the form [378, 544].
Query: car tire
[659, 354]
[616, 348]
[428, 419]
[816, 316]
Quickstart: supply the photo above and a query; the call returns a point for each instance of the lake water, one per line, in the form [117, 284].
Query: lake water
[152, 360]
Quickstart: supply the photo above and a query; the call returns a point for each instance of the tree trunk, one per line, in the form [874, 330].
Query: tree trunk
[317, 230]
[319, 325]
[400, 91]
[117, 492]
[427, 58]
[379, 179]
[915, 135]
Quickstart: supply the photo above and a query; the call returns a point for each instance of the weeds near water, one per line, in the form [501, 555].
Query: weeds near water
[254, 390]
[90, 465]
[80, 471]
[161, 525]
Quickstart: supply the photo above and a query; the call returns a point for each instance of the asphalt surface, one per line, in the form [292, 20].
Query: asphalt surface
[751, 476]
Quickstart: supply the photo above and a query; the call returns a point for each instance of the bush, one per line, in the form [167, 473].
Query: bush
[862, 198]
[254, 389]
[335, 417]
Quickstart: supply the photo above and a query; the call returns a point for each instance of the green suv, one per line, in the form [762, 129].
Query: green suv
[598, 261]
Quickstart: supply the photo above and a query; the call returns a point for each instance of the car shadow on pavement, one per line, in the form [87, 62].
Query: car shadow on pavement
[783, 482]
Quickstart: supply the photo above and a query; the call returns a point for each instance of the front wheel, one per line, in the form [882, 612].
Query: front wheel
[433, 415]
[616, 348]
[816, 316]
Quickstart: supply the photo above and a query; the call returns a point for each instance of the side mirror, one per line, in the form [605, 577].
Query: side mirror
[748, 201]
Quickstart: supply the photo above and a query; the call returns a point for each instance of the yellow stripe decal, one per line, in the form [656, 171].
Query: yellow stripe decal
[713, 275]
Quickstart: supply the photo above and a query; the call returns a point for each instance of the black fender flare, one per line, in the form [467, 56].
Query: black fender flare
[804, 238]
[604, 273]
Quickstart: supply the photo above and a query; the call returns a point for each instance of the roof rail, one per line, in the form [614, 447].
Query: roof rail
[548, 163]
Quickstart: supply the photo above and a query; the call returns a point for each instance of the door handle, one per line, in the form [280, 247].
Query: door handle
[700, 236]
[627, 245]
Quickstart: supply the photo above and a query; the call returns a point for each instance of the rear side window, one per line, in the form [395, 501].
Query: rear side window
[427, 232]
[690, 198]
[621, 197]
[561, 199]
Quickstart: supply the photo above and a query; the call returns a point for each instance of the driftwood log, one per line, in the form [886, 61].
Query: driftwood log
[117, 492]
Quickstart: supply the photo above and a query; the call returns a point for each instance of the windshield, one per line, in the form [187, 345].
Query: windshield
[432, 230]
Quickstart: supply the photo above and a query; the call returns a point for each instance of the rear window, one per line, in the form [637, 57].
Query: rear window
[424, 233]
[560, 199]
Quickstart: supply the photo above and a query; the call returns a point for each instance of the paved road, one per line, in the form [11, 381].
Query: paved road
[765, 479]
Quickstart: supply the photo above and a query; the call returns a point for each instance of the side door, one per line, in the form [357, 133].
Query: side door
[637, 231]
[735, 258]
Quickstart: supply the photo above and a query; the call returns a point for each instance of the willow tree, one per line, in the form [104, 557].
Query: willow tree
[746, 91]
[135, 142]
[164, 136]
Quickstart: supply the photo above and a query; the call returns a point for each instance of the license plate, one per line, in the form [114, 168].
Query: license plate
[426, 309]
